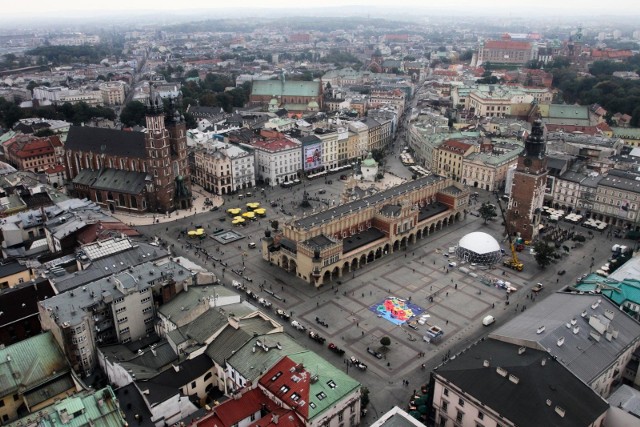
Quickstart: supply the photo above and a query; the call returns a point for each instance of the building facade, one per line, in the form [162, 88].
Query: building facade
[30, 153]
[488, 169]
[495, 384]
[449, 158]
[277, 159]
[113, 93]
[212, 171]
[114, 309]
[506, 51]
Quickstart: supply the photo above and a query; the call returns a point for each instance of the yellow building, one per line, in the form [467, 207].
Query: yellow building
[212, 171]
[14, 273]
[630, 136]
[449, 157]
[328, 245]
[35, 374]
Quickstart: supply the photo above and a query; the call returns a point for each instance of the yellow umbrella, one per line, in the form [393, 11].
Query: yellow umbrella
[249, 215]
[253, 205]
[237, 217]
[234, 211]
[260, 211]
[191, 233]
[199, 231]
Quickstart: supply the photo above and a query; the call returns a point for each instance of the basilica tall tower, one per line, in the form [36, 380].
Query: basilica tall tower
[527, 189]
[158, 152]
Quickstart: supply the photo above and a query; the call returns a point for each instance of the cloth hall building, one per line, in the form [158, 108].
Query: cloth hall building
[328, 245]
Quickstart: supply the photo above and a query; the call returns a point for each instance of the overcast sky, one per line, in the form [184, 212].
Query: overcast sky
[620, 7]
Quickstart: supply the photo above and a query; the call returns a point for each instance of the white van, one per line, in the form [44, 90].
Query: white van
[488, 320]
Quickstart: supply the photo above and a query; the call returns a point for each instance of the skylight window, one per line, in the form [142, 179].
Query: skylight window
[321, 395]
[332, 384]
[276, 376]
[284, 389]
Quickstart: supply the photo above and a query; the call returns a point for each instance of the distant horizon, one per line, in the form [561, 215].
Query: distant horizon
[33, 8]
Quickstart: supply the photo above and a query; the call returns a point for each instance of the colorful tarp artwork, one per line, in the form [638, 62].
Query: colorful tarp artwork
[396, 310]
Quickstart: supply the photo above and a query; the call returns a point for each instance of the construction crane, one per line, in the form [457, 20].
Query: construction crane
[512, 262]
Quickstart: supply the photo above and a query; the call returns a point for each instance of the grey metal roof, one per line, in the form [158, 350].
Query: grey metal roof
[168, 383]
[319, 241]
[252, 364]
[231, 340]
[626, 398]
[374, 199]
[107, 266]
[622, 180]
[11, 268]
[178, 308]
[107, 141]
[362, 238]
[203, 327]
[391, 210]
[146, 365]
[580, 353]
[113, 179]
[523, 402]
[72, 306]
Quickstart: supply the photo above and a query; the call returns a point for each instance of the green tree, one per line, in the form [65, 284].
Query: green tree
[466, 55]
[10, 113]
[192, 73]
[487, 211]
[364, 397]
[10, 57]
[43, 132]
[133, 114]
[544, 253]
[190, 121]
[275, 224]
[385, 341]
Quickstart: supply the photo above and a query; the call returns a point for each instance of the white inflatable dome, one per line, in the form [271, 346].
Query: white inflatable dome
[480, 248]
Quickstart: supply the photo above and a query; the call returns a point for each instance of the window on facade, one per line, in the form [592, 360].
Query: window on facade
[459, 416]
[445, 406]
[209, 375]
[193, 384]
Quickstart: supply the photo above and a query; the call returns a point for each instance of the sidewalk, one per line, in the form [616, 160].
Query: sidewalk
[199, 196]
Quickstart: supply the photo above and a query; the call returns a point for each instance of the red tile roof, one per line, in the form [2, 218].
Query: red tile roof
[105, 230]
[281, 417]
[26, 146]
[506, 44]
[54, 169]
[233, 411]
[289, 382]
[455, 146]
[611, 53]
[275, 144]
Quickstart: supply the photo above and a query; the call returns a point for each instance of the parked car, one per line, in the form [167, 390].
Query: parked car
[298, 325]
[377, 354]
[282, 314]
[335, 349]
[537, 288]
